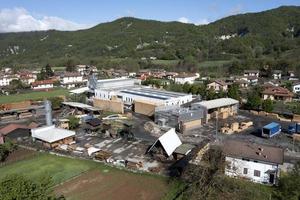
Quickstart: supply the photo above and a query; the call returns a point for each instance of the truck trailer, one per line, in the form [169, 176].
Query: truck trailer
[294, 128]
[271, 130]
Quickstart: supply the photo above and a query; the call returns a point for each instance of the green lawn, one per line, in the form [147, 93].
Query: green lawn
[165, 62]
[213, 63]
[34, 95]
[59, 168]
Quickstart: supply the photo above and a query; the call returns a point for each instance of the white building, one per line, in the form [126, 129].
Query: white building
[186, 78]
[130, 90]
[70, 80]
[296, 88]
[42, 85]
[6, 79]
[277, 74]
[86, 69]
[255, 162]
[251, 73]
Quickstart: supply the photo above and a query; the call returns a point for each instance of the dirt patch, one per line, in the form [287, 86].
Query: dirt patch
[19, 154]
[113, 185]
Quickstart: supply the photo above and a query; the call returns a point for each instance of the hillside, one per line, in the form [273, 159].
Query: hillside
[273, 33]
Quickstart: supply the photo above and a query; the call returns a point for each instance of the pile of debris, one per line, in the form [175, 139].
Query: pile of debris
[235, 127]
[153, 129]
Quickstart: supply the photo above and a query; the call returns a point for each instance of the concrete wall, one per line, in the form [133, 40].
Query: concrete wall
[109, 105]
[145, 108]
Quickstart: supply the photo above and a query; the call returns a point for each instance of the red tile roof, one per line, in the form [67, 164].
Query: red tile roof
[278, 91]
[44, 82]
[11, 127]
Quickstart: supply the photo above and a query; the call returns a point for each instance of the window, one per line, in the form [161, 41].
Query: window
[257, 173]
[245, 171]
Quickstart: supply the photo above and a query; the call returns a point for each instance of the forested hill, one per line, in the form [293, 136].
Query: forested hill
[273, 33]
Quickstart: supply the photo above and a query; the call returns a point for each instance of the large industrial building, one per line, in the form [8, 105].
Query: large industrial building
[130, 92]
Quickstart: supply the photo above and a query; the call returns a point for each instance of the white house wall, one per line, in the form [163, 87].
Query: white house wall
[235, 168]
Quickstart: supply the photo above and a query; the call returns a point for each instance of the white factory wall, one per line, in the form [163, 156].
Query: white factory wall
[235, 168]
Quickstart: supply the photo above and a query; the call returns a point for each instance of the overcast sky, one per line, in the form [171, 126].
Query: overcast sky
[28, 15]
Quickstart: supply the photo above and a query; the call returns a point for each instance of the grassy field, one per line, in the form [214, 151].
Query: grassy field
[214, 63]
[34, 95]
[59, 168]
[83, 179]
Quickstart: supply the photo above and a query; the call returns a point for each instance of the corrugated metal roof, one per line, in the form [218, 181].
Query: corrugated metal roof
[217, 103]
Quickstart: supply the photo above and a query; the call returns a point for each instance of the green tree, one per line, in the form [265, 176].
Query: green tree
[74, 122]
[289, 184]
[253, 101]
[18, 187]
[233, 91]
[56, 102]
[70, 66]
[48, 70]
[267, 105]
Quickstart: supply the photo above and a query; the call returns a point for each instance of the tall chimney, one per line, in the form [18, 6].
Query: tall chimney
[48, 110]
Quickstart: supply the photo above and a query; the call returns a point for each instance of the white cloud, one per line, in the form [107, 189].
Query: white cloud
[186, 20]
[19, 19]
[183, 20]
[202, 22]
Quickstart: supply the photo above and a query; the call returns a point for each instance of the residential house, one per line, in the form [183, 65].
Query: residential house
[71, 79]
[218, 85]
[143, 74]
[251, 73]
[27, 77]
[296, 88]
[186, 78]
[255, 162]
[242, 83]
[6, 79]
[252, 80]
[277, 93]
[42, 85]
[171, 75]
[85, 70]
[277, 74]
[291, 76]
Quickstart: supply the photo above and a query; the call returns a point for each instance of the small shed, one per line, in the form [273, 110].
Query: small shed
[52, 137]
[168, 141]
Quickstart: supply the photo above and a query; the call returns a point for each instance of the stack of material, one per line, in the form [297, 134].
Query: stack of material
[134, 165]
[102, 155]
[234, 126]
[296, 137]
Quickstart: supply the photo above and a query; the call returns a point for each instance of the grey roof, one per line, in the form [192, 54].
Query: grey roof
[184, 149]
[258, 152]
[217, 103]
[153, 93]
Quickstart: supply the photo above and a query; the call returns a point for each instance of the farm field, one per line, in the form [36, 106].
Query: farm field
[84, 179]
[33, 95]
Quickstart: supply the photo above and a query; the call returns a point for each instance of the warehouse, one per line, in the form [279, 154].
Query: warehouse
[129, 92]
[182, 119]
[221, 108]
[162, 97]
